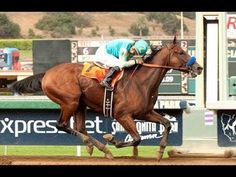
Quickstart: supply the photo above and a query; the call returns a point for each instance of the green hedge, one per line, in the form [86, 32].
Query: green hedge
[17, 43]
[27, 104]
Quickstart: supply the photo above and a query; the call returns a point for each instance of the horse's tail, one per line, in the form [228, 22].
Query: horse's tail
[30, 84]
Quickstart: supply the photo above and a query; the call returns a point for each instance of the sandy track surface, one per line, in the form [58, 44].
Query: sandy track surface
[69, 160]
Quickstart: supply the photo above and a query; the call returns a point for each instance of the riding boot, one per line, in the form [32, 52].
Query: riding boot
[108, 78]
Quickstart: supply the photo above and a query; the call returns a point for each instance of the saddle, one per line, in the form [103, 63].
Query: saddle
[96, 71]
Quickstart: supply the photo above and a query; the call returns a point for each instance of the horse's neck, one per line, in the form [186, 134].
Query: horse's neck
[150, 77]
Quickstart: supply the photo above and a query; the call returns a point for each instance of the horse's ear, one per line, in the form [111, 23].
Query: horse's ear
[175, 40]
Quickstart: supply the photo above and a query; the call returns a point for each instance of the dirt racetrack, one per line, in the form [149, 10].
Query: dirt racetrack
[72, 160]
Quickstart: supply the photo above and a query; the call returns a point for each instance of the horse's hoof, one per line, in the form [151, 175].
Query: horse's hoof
[159, 156]
[108, 137]
[135, 152]
[228, 153]
[109, 156]
[89, 150]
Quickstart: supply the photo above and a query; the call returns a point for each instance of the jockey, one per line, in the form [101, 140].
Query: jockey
[119, 54]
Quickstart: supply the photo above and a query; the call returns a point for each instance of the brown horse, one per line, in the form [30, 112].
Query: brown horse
[134, 95]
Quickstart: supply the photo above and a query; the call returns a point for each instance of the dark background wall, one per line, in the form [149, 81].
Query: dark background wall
[49, 53]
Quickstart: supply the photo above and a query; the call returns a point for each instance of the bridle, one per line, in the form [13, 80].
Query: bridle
[185, 68]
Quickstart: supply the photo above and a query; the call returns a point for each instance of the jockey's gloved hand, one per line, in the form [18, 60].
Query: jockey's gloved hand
[138, 60]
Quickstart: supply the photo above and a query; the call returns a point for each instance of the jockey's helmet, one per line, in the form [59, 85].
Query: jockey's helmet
[141, 47]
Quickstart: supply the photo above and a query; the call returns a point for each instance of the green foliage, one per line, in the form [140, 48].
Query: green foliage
[63, 24]
[170, 23]
[83, 20]
[139, 28]
[158, 17]
[80, 31]
[8, 29]
[185, 28]
[15, 43]
[94, 32]
[32, 35]
[26, 54]
[152, 16]
[124, 34]
[171, 26]
[111, 31]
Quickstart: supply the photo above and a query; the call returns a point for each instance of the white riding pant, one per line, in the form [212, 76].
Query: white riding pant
[107, 59]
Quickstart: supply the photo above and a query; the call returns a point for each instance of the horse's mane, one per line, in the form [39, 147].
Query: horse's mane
[154, 51]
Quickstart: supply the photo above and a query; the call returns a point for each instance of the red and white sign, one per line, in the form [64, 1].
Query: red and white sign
[231, 26]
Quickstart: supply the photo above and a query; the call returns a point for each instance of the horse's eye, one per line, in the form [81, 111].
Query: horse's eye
[181, 53]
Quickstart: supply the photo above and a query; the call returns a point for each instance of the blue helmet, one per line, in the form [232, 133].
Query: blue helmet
[141, 47]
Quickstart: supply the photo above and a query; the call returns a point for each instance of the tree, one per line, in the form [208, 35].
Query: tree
[63, 24]
[94, 32]
[8, 29]
[32, 35]
[111, 31]
[170, 23]
[139, 28]
[158, 17]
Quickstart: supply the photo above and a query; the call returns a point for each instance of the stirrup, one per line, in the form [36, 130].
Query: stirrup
[105, 84]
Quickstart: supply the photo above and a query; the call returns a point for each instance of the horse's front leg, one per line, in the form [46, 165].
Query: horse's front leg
[157, 118]
[129, 125]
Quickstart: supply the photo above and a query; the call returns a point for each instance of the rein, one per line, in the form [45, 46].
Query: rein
[130, 77]
[186, 68]
[166, 67]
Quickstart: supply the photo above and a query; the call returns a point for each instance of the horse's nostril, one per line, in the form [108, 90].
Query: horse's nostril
[199, 68]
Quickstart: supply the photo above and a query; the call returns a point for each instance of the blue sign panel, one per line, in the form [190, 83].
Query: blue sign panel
[37, 127]
[32, 127]
[226, 121]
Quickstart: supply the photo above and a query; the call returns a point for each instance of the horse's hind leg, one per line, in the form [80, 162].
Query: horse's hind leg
[87, 139]
[80, 126]
[63, 124]
[67, 110]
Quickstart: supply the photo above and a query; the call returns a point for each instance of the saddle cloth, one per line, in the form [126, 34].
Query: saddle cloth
[97, 72]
